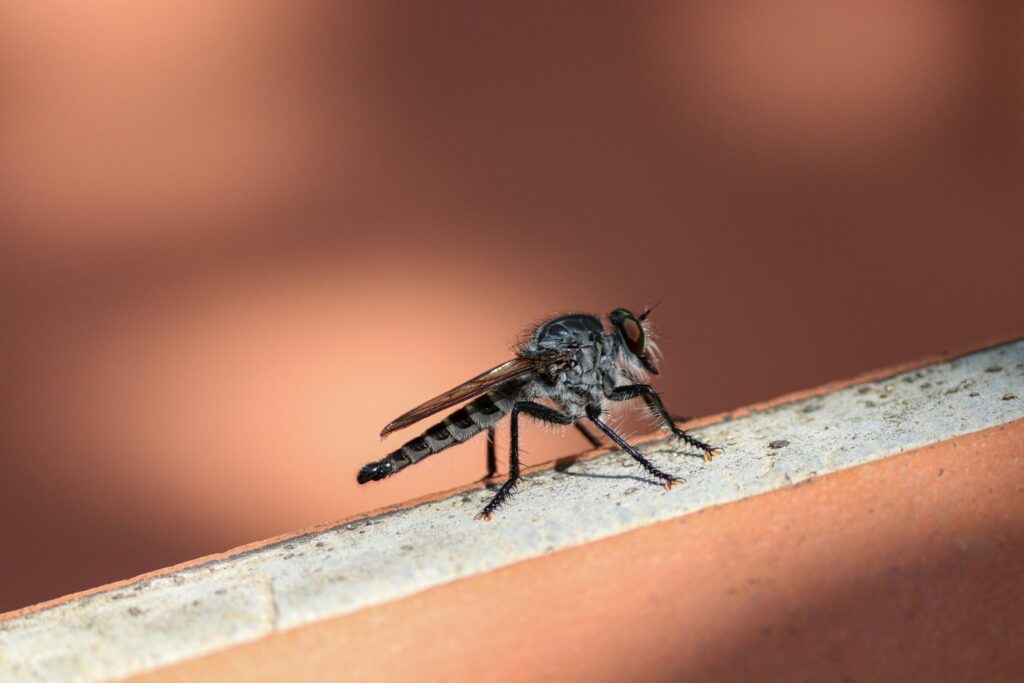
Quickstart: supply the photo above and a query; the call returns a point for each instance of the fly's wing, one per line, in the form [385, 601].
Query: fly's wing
[474, 387]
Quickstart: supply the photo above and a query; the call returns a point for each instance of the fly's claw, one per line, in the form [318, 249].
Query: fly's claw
[713, 453]
[675, 481]
[484, 516]
[707, 451]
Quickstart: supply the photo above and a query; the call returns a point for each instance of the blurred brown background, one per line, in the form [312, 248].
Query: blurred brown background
[237, 238]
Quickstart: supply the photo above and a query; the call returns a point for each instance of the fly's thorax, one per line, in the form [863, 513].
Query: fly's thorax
[563, 334]
[578, 381]
[628, 368]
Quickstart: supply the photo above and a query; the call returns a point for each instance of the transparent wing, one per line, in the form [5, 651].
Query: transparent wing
[474, 387]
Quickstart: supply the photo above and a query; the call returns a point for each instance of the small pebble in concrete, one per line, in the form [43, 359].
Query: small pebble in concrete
[778, 443]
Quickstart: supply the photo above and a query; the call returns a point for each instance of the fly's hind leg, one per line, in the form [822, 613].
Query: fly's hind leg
[594, 413]
[492, 456]
[534, 410]
[593, 440]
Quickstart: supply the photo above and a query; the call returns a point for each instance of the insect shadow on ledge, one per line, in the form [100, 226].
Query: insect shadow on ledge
[564, 464]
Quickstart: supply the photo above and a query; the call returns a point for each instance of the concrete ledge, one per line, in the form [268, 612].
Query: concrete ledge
[906, 569]
[245, 596]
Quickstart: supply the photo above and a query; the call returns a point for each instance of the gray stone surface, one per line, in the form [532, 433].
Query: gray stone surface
[225, 602]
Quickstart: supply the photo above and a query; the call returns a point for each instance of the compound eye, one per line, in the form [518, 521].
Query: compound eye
[633, 332]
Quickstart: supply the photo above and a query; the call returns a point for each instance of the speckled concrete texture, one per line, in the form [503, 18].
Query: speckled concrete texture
[209, 606]
[907, 569]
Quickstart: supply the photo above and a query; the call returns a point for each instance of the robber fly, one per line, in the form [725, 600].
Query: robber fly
[573, 363]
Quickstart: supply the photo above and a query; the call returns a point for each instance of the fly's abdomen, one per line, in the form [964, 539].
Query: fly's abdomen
[460, 426]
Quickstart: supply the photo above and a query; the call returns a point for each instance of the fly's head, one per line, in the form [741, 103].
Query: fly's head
[634, 335]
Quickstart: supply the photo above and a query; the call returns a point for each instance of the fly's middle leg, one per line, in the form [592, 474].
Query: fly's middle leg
[594, 413]
[534, 410]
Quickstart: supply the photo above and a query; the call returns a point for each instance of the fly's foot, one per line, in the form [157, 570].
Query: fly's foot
[713, 453]
[707, 451]
[500, 498]
[674, 481]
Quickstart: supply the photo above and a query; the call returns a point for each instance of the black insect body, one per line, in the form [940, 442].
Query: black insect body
[570, 361]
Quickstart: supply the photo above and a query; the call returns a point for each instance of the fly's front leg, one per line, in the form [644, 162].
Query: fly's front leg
[594, 413]
[535, 410]
[676, 419]
[630, 391]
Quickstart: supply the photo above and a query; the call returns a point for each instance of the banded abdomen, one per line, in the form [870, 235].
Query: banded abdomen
[465, 423]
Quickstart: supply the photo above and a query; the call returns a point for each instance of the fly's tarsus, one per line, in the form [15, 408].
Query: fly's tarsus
[707, 451]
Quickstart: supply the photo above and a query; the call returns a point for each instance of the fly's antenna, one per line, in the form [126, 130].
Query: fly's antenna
[647, 311]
